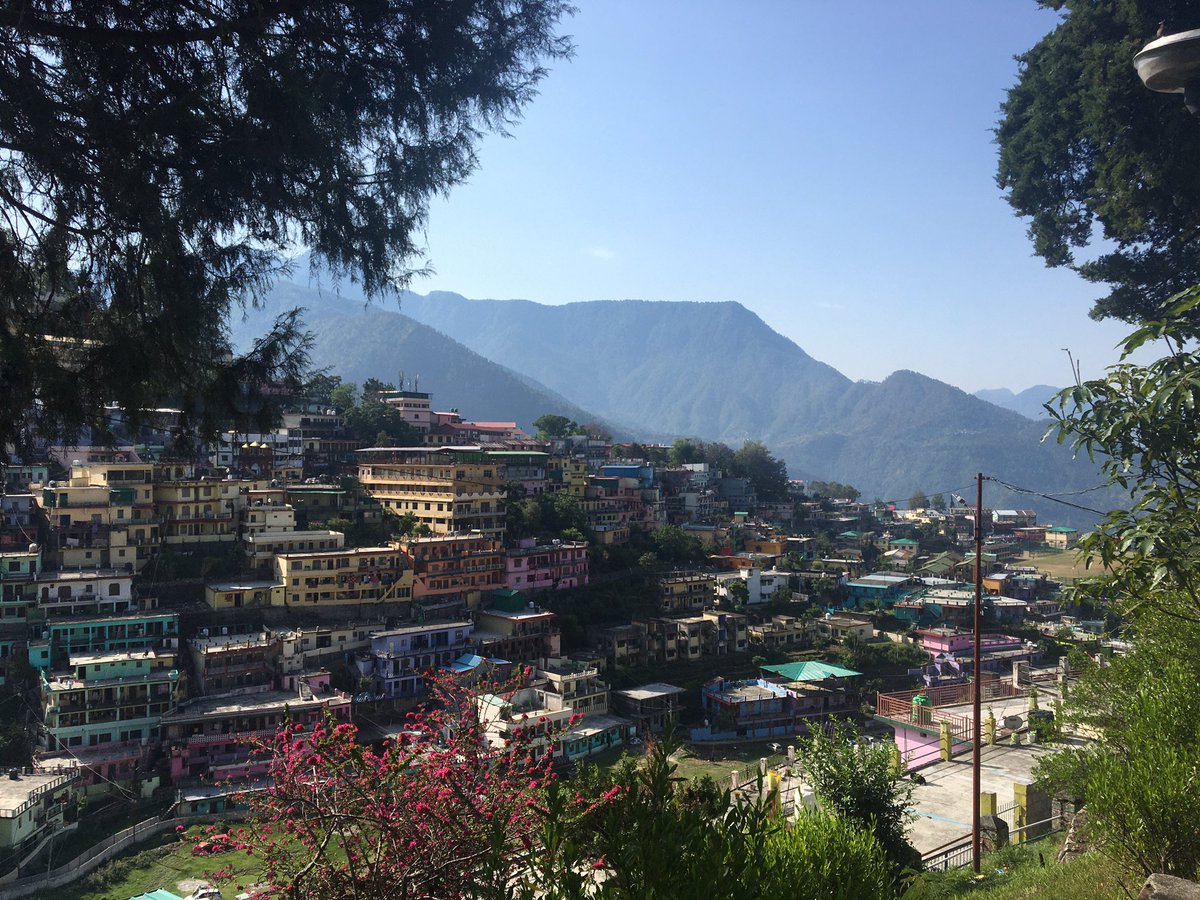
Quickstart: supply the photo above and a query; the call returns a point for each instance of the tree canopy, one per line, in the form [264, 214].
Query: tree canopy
[1106, 171]
[161, 160]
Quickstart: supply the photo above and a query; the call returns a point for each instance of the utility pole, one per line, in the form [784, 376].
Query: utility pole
[975, 723]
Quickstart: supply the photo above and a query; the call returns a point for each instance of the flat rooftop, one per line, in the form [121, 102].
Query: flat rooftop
[241, 585]
[418, 629]
[745, 693]
[15, 792]
[651, 691]
[239, 704]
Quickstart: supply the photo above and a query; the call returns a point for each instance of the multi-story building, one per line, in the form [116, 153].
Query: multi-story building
[545, 567]
[567, 473]
[399, 658]
[518, 631]
[651, 707]
[101, 516]
[546, 712]
[17, 478]
[18, 584]
[622, 645]
[345, 577]
[33, 806]
[222, 663]
[781, 632]
[268, 512]
[199, 510]
[761, 585]
[52, 643]
[103, 713]
[672, 640]
[460, 565]
[526, 468]
[450, 490]
[574, 684]
[687, 593]
[18, 524]
[308, 648]
[262, 547]
[213, 738]
[83, 593]
[413, 406]
[725, 633]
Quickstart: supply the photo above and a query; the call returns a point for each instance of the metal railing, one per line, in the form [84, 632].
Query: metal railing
[957, 854]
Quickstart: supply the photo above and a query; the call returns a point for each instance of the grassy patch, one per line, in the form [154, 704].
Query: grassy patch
[159, 867]
[1018, 873]
[1062, 565]
[719, 760]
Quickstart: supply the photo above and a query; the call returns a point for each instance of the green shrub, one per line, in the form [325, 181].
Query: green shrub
[825, 857]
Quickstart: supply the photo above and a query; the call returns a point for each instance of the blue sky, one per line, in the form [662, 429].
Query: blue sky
[830, 166]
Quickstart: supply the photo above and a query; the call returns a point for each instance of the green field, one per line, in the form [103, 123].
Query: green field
[1062, 565]
[170, 866]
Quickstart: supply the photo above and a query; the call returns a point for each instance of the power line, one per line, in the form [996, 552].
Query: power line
[1051, 497]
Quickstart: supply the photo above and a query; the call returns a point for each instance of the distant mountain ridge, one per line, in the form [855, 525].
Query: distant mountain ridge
[1029, 402]
[358, 341]
[717, 371]
[657, 370]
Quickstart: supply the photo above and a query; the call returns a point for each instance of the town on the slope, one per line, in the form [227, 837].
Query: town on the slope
[157, 610]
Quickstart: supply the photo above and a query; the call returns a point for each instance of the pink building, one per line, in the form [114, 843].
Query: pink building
[213, 737]
[536, 567]
[951, 642]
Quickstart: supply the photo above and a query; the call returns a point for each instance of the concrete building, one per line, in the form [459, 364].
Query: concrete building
[542, 567]
[224, 663]
[450, 490]
[687, 593]
[243, 594]
[85, 592]
[33, 806]
[455, 566]
[331, 578]
[518, 631]
[782, 631]
[52, 643]
[263, 546]
[212, 738]
[399, 658]
[650, 707]
[103, 713]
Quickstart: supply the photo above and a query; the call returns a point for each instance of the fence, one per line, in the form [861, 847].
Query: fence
[100, 853]
[958, 854]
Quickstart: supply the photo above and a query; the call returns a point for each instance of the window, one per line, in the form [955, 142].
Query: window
[114, 589]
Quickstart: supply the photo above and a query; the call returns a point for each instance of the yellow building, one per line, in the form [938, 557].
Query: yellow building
[101, 516]
[684, 593]
[567, 473]
[345, 577]
[204, 510]
[243, 593]
[450, 490]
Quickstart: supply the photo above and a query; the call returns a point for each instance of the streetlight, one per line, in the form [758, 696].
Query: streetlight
[1171, 65]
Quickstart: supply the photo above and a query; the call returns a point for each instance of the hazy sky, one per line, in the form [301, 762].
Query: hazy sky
[830, 166]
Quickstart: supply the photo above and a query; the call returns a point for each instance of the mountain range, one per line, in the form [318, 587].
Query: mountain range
[1028, 402]
[656, 370]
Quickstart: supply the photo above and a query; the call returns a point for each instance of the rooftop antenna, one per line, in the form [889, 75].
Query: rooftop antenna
[417, 382]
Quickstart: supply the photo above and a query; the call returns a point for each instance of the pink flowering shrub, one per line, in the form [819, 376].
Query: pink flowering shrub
[435, 813]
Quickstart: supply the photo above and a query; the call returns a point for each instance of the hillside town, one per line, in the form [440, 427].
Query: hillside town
[163, 611]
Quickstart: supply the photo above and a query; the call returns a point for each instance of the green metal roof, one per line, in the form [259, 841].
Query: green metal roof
[810, 671]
